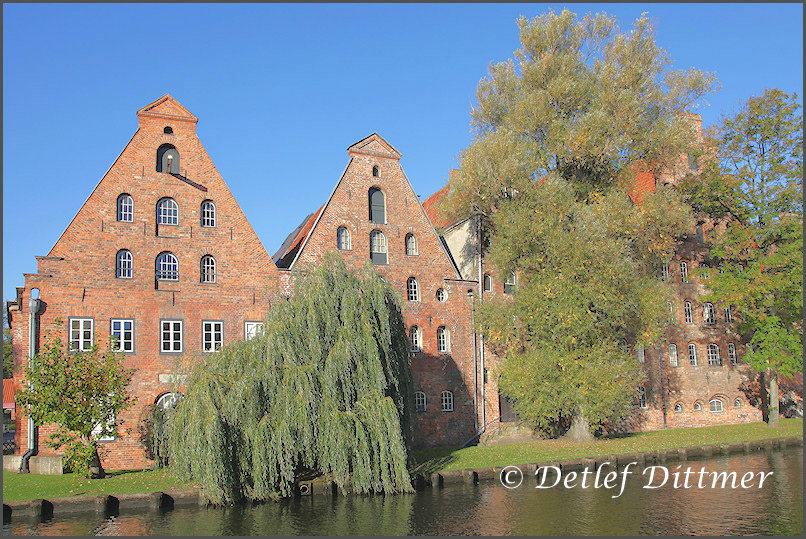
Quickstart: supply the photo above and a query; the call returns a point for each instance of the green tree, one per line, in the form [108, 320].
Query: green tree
[8, 350]
[325, 388]
[82, 393]
[561, 131]
[754, 182]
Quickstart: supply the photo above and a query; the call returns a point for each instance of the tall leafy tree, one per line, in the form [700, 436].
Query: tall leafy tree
[754, 182]
[82, 393]
[325, 388]
[561, 131]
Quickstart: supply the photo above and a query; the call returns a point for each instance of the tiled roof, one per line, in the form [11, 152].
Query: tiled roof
[285, 255]
[431, 207]
[9, 390]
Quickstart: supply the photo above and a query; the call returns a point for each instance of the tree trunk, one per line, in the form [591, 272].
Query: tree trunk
[774, 399]
[580, 429]
[96, 469]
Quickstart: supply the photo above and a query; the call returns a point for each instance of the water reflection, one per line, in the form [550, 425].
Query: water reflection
[490, 509]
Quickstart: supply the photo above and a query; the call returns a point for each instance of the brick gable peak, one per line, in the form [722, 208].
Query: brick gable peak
[374, 145]
[169, 108]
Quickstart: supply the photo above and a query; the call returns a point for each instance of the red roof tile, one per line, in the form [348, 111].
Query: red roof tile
[9, 390]
[431, 207]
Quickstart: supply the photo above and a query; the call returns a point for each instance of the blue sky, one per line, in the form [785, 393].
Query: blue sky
[281, 91]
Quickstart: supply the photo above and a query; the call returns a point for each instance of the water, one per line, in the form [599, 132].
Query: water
[490, 509]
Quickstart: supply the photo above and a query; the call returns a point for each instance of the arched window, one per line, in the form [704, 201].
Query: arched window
[447, 401]
[683, 272]
[419, 401]
[678, 408]
[625, 349]
[713, 355]
[728, 316]
[376, 171]
[168, 130]
[672, 355]
[737, 403]
[168, 159]
[207, 269]
[208, 213]
[441, 295]
[732, 353]
[167, 267]
[343, 239]
[411, 244]
[443, 340]
[510, 284]
[692, 354]
[377, 247]
[377, 206]
[687, 312]
[125, 208]
[708, 314]
[167, 212]
[415, 340]
[488, 282]
[123, 264]
[642, 397]
[715, 406]
[697, 407]
[639, 353]
[167, 401]
[412, 290]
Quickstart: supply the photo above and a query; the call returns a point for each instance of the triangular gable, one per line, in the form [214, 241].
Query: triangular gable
[375, 145]
[167, 107]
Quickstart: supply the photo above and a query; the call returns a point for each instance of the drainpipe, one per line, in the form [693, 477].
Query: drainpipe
[33, 337]
[662, 388]
[481, 337]
[475, 368]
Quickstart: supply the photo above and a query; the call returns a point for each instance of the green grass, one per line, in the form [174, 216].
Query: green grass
[29, 486]
[444, 459]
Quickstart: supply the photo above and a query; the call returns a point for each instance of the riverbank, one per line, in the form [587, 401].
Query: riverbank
[21, 487]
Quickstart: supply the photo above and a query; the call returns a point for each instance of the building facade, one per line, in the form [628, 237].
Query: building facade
[161, 261]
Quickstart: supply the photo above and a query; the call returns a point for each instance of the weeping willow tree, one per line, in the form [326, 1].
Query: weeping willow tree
[326, 387]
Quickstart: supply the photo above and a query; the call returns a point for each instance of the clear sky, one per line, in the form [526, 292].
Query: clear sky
[281, 91]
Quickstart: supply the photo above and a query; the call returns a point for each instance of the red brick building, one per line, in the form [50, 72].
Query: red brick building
[161, 257]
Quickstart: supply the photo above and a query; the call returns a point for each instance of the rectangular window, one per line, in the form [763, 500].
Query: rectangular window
[510, 284]
[671, 312]
[664, 272]
[732, 354]
[212, 335]
[419, 401]
[96, 431]
[251, 329]
[713, 355]
[687, 311]
[692, 354]
[683, 272]
[171, 338]
[639, 352]
[672, 355]
[81, 334]
[122, 332]
[708, 314]
[728, 316]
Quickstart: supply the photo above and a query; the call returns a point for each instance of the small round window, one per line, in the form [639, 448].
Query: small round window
[441, 295]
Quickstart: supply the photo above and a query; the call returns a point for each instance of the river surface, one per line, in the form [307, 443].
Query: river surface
[490, 509]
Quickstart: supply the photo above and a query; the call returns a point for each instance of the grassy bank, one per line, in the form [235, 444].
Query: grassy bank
[443, 459]
[29, 486]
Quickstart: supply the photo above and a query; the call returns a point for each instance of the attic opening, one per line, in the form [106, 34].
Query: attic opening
[168, 159]
[376, 171]
[168, 130]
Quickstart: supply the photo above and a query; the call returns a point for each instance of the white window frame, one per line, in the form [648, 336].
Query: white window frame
[420, 401]
[343, 240]
[697, 407]
[415, 340]
[737, 403]
[441, 295]
[212, 335]
[713, 355]
[446, 400]
[167, 212]
[687, 311]
[692, 354]
[207, 269]
[167, 400]
[208, 214]
[683, 272]
[640, 353]
[175, 329]
[711, 406]
[118, 335]
[487, 283]
[728, 315]
[80, 343]
[124, 264]
[443, 340]
[125, 210]
[377, 244]
[412, 289]
[511, 284]
[664, 272]
[671, 312]
[411, 245]
[251, 329]
[97, 429]
[732, 354]
[167, 267]
[673, 360]
[709, 314]
[678, 408]
[642, 398]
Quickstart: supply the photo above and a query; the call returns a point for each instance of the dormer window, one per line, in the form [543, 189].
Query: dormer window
[377, 206]
[168, 130]
[168, 159]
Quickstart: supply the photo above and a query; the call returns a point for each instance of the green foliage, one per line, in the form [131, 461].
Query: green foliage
[78, 391]
[153, 433]
[755, 182]
[326, 387]
[561, 131]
